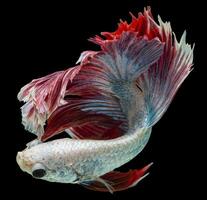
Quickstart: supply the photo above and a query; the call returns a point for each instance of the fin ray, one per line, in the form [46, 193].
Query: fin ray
[42, 96]
[118, 181]
[162, 80]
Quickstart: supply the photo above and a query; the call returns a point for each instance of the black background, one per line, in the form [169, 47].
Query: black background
[47, 38]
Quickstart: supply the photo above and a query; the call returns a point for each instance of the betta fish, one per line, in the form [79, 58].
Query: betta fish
[107, 103]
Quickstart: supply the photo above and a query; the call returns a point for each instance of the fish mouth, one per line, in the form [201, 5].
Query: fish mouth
[19, 159]
[21, 162]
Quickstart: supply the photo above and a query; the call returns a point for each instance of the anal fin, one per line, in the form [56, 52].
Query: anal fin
[117, 181]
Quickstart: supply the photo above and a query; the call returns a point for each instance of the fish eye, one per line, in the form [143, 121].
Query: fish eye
[38, 170]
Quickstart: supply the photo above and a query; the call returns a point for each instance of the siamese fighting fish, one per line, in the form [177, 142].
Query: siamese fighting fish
[107, 103]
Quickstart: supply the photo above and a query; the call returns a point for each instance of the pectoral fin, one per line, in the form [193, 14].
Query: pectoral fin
[117, 181]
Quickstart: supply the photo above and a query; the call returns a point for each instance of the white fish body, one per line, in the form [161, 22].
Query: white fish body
[70, 161]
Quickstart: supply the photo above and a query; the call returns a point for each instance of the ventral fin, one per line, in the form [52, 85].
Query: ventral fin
[117, 181]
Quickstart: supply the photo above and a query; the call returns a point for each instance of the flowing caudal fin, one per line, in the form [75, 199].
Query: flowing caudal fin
[120, 61]
[116, 181]
[127, 57]
[142, 51]
[161, 82]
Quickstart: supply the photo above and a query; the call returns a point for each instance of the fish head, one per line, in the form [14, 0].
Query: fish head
[46, 165]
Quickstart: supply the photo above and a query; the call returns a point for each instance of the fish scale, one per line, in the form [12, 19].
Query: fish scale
[81, 153]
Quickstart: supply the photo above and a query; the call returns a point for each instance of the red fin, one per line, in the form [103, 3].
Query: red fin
[118, 181]
[42, 96]
[64, 117]
[162, 79]
[141, 25]
[82, 124]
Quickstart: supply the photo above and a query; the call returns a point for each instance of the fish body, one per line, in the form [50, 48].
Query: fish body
[72, 161]
[108, 104]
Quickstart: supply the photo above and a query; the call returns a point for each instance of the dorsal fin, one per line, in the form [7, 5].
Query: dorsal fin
[42, 97]
[103, 129]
